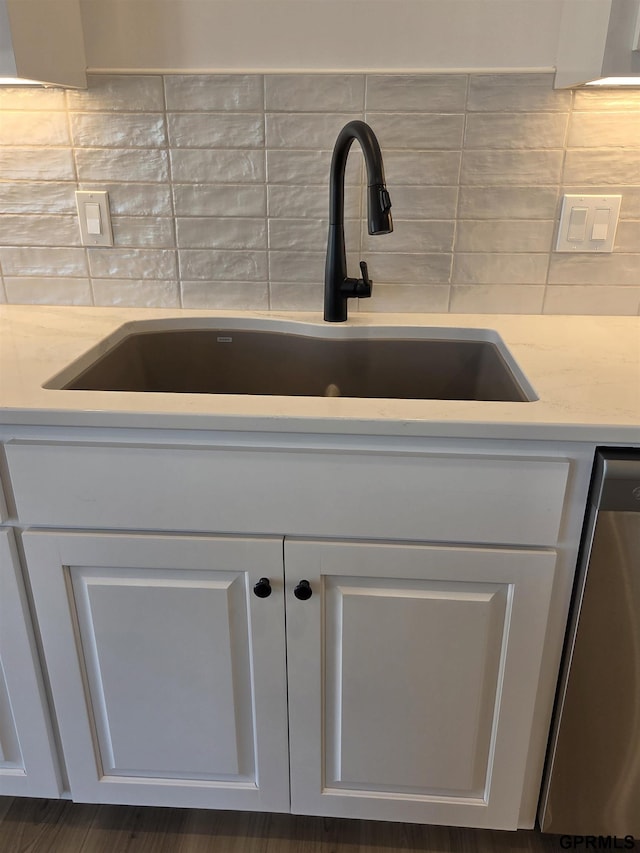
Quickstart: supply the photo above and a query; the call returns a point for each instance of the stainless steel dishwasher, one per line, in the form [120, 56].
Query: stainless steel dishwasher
[592, 784]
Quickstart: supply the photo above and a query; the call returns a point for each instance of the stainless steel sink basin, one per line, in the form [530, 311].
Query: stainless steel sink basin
[258, 362]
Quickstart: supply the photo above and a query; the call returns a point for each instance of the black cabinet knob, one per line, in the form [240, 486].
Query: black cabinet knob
[263, 588]
[303, 591]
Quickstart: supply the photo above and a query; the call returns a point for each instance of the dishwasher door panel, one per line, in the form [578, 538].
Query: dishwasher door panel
[593, 785]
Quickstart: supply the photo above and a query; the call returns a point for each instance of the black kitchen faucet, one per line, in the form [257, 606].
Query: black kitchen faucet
[338, 287]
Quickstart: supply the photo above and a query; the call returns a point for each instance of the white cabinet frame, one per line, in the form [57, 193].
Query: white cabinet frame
[27, 763]
[42, 40]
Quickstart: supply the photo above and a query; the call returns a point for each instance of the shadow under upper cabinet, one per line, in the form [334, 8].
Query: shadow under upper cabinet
[228, 361]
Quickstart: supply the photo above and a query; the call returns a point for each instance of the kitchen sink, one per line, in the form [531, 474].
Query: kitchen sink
[260, 362]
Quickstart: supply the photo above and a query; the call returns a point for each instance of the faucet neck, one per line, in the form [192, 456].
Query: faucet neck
[373, 160]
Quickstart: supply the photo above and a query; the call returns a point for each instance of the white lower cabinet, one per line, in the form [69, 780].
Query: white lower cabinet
[167, 671]
[413, 673]
[27, 764]
[403, 681]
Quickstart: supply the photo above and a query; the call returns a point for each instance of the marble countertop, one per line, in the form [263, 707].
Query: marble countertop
[585, 372]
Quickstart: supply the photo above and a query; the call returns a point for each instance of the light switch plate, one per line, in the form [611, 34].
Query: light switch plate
[90, 223]
[588, 223]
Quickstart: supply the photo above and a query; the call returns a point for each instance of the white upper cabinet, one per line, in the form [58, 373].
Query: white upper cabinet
[599, 39]
[582, 40]
[321, 35]
[42, 40]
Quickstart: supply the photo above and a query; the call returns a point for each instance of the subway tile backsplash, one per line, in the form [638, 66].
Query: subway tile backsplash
[218, 186]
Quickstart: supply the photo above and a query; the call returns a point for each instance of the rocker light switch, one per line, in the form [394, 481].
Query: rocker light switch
[600, 230]
[588, 223]
[94, 218]
[92, 212]
[577, 224]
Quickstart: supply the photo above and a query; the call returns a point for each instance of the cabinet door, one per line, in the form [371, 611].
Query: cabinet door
[412, 679]
[27, 764]
[167, 672]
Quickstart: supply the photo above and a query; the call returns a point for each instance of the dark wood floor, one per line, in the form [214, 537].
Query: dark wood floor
[58, 826]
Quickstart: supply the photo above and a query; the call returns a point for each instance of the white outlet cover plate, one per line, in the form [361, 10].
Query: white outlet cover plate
[594, 205]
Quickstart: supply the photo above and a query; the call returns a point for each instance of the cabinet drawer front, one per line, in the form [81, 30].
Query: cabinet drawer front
[467, 498]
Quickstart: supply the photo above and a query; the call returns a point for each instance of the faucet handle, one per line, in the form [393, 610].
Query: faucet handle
[365, 285]
[360, 287]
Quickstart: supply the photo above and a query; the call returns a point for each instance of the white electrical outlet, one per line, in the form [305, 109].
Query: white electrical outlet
[588, 223]
[94, 218]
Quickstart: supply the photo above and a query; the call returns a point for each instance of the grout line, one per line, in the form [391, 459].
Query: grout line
[559, 193]
[173, 217]
[456, 219]
[267, 218]
[76, 183]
